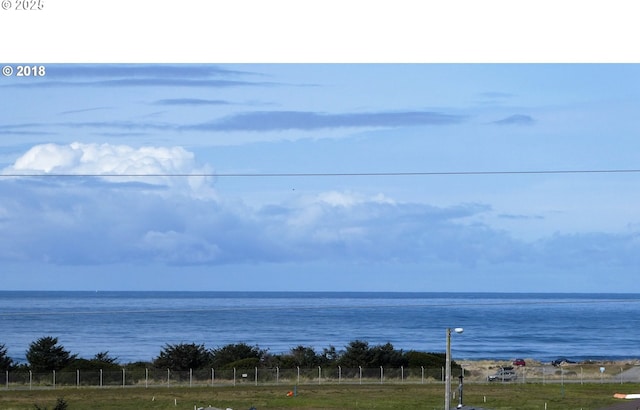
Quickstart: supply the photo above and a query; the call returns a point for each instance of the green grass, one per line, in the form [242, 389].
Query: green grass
[315, 397]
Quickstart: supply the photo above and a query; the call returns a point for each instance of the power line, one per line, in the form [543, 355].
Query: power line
[333, 174]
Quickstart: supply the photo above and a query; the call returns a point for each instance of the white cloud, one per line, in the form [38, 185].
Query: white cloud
[46, 158]
[164, 166]
[334, 198]
[349, 199]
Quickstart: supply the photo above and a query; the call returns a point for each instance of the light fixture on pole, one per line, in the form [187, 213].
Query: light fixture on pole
[447, 376]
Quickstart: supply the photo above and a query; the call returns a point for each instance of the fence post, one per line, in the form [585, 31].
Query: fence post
[339, 374]
[146, 377]
[422, 374]
[213, 376]
[77, 378]
[402, 374]
[256, 376]
[54, 379]
[6, 378]
[190, 376]
[381, 374]
[123, 377]
[277, 375]
[30, 379]
[234, 376]
[298, 374]
[319, 374]
[360, 367]
[168, 377]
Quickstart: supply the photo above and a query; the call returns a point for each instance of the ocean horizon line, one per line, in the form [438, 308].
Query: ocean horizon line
[323, 292]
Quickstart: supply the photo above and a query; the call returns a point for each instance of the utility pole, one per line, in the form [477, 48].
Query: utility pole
[447, 373]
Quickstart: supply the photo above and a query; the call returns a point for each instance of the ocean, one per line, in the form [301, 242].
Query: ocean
[135, 326]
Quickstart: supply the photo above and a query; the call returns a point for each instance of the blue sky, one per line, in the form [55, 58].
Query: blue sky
[229, 226]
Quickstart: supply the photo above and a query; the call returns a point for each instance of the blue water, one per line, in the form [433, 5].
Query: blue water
[134, 326]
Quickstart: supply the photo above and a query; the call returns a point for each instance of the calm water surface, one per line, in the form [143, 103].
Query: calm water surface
[135, 326]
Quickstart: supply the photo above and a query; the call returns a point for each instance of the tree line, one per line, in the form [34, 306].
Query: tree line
[46, 354]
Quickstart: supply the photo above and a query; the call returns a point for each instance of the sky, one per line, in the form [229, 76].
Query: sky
[320, 146]
[372, 177]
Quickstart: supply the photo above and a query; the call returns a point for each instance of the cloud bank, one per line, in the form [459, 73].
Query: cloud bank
[516, 119]
[301, 120]
[179, 221]
[260, 121]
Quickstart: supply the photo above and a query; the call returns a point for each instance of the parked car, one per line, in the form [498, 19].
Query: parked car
[519, 362]
[505, 374]
[560, 361]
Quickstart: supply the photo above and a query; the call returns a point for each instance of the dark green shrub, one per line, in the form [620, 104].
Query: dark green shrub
[183, 356]
[46, 355]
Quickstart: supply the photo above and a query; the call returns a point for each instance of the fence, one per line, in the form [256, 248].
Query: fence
[25, 379]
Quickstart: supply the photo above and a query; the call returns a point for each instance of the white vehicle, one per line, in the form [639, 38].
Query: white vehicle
[505, 374]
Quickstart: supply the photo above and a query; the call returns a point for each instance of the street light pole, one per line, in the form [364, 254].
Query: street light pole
[460, 387]
[447, 374]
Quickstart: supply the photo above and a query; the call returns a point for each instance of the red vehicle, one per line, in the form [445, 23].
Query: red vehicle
[519, 362]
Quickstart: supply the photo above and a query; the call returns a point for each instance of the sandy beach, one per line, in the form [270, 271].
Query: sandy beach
[627, 370]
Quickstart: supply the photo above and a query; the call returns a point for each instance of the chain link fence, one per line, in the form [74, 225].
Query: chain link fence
[152, 377]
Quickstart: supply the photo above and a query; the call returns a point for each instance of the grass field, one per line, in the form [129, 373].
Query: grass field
[406, 397]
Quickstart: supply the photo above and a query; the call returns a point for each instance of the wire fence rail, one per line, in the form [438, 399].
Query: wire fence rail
[152, 377]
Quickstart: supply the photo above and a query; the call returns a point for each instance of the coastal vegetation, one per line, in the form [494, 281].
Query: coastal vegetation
[70, 389]
[46, 354]
[6, 362]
